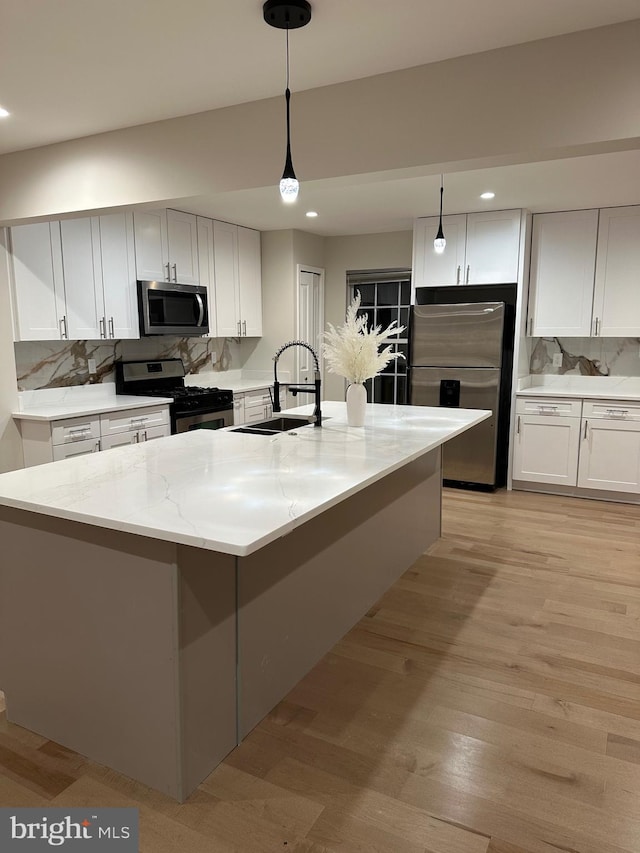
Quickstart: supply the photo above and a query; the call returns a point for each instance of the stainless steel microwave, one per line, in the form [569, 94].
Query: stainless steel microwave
[166, 308]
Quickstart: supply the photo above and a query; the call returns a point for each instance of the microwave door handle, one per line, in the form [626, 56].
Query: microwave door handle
[201, 304]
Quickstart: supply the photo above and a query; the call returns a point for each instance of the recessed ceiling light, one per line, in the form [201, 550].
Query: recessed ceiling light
[4, 113]
[311, 214]
[488, 195]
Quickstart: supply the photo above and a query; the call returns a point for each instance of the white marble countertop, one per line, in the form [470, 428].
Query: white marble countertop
[583, 387]
[230, 491]
[99, 405]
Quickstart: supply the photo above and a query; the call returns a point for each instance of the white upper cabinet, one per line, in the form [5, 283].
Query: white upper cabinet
[431, 268]
[118, 263]
[206, 269]
[563, 255]
[166, 246]
[238, 280]
[82, 278]
[225, 253]
[493, 247]
[38, 281]
[75, 279]
[482, 248]
[616, 302]
[250, 282]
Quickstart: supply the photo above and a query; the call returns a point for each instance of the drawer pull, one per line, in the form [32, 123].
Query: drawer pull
[617, 413]
[549, 408]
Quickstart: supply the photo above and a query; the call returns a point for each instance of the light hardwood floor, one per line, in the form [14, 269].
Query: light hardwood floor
[489, 703]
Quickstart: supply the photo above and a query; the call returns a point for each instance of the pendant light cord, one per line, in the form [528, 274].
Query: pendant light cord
[287, 95]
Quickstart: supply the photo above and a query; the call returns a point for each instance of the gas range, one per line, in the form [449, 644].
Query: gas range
[192, 408]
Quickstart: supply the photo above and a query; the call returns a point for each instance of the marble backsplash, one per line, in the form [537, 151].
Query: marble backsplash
[586, 356]
[59, 364]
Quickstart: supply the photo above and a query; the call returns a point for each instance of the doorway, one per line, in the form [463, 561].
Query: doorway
[309, 320]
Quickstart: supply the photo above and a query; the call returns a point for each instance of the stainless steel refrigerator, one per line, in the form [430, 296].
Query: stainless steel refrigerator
[455, 360]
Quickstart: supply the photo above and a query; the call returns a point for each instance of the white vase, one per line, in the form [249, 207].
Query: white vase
[356, 404]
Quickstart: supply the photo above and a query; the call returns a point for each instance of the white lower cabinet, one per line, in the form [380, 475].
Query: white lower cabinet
[610, 447]
[590, 444]
[547, 439]
[50, 441]
[253, 406]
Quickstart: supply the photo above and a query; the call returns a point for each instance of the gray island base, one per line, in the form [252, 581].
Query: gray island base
[155, 657]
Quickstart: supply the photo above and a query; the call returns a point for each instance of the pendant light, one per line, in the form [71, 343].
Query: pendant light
[439, 243]
[287, 16]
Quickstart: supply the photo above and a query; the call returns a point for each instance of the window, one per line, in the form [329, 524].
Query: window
[385, 297]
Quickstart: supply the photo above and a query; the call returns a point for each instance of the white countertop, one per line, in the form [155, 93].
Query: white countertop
[230, 491]
[583, 387]
[78, 401]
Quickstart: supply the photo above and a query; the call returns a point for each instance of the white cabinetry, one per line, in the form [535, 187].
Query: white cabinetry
[547, 440]
[49, 441]
[166, 244]
[38, 281]
[206, 269]
[238, 281]
[253, 406]
[616, 300]
[482, 248]
[75, 279]
[563, 255]
[610, 446]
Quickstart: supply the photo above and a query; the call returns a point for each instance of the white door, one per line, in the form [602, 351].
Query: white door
[546, 449]
[250, 282]
[83, 278]
[117, 253]
[225, 256]
[431, 268]
[610, 455]
[182, 232]
[39, 281]
[310, 323]
[493, 247]
[152, 248]
[563, 256]
[616, 302]
[206, 269]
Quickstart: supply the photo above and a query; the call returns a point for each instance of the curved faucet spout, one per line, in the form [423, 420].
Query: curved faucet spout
[298, 388]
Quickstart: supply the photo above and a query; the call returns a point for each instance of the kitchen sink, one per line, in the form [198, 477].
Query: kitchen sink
[274, 425]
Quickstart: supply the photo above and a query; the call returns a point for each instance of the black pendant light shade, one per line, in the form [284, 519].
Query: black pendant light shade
[439, 243]
[287, 16]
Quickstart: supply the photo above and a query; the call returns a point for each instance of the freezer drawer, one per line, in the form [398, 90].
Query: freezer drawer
[465, 334]
[470, 457]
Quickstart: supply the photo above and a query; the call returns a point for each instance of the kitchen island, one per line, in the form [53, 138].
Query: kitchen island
[157, 600]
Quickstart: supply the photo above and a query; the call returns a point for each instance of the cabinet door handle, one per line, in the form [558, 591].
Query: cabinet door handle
[64, 334]
[586, 424]
[175, 272]
[239, 332]
[112, 333]
[458, 275]
[101, 324]
[518, 426]
[96, 449]
[145, 435]
[597, 326]
[530, 326]
[468, 273]
[244, 328]
[168, 271]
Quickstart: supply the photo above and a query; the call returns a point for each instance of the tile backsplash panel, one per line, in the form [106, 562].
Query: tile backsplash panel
[586, 356]
[60, 364]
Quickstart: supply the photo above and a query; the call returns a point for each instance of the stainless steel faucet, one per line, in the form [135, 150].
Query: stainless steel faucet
[297, 388]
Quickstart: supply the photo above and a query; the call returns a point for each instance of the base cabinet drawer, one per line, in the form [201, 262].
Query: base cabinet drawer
[77, 448]
[134, 419]
[75, 429]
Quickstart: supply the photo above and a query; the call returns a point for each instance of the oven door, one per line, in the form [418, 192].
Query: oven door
[188, 421]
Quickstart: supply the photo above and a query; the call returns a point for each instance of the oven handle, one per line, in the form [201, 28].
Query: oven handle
[201, 304]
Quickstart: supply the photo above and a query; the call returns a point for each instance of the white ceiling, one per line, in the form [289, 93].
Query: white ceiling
[72, 68]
